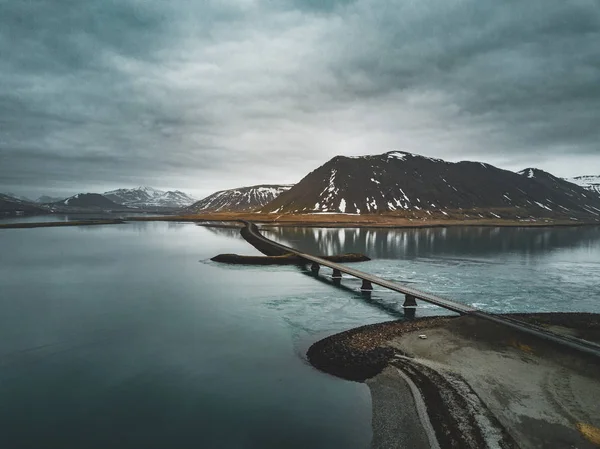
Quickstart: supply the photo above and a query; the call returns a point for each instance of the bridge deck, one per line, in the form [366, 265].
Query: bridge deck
[578, 344]
[401, 288]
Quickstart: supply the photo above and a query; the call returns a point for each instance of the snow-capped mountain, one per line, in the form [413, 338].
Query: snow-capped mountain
[147, 197]
[243, 199]
[590, 182]
[401, 182]
[11, 205]
[87, 201]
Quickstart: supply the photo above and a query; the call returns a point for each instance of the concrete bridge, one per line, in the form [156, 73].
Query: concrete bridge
[412, 294]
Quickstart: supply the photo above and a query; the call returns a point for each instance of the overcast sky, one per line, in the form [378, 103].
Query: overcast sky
[206, 95]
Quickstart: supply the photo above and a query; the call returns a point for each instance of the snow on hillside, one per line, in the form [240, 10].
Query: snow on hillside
[145, 197]
[242, 199]
[589, 182]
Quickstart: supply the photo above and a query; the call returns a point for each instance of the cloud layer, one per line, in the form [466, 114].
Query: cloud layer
[209, 95]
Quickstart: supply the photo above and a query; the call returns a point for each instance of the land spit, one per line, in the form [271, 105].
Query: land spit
[288, 259]
[483, 385]
[55, 224]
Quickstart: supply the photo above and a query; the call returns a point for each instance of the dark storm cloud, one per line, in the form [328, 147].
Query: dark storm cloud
[210, 95]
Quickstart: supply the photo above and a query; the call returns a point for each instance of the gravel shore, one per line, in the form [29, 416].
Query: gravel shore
[483, 385]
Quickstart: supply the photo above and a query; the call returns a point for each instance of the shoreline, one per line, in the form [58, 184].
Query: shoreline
[483, 385]
[333, 221]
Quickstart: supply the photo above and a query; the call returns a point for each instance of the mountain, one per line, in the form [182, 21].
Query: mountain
[19, 197]
[147, 197]
[405, 183]
[243, 199]
[11, 205]
[87, 201]
[589, 182]
[45, 199]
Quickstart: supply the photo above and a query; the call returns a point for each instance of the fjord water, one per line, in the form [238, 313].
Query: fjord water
[546, 269]
[128, 336]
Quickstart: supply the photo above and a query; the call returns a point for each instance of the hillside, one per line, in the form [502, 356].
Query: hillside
[147, 197]
[10, 205]
[87, 201]
[243, 199]
[589, 182]
[401, 183]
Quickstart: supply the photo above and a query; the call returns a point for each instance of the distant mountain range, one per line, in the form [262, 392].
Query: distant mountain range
[138, 199]
[243, 199]
[147, 197]
[590, 182]
[401, 182]
[395, 182]
[12, 205]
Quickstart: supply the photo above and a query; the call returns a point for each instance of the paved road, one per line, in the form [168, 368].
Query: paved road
[574, 343]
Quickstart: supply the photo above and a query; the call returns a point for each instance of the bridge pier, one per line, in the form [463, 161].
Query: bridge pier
[315, 267]
[366, 285]
[337, 274]
[409, 301]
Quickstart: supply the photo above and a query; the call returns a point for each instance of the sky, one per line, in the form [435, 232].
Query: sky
[207, 95]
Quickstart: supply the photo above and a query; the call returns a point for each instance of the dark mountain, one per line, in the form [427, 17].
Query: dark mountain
[243, 199]
[88, 201]
[10, 205]
[147, 197]
[405, 183]
[19, 197]
[588, 182]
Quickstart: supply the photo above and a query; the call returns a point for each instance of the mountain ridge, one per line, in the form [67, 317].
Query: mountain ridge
[148, 197]
[241, 199]
[402, 183]
[87, 201]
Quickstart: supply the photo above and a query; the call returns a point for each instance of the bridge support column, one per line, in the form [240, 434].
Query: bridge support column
[337, 274]
[366, 285]
[315, 267]
[409, 306]
[409, 301]
[409, 312]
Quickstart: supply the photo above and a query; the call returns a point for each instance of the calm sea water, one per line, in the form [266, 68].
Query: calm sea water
[495, 269]
[70, 217]
[128, 336]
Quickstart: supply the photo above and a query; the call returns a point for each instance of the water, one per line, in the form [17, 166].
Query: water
[71, 217]
[495, 269]
[128, 336]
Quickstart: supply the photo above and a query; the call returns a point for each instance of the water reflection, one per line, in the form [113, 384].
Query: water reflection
[233, 232]
[413, 243]
[375, 301]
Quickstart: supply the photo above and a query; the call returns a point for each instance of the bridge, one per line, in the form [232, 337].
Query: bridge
[412, 294]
